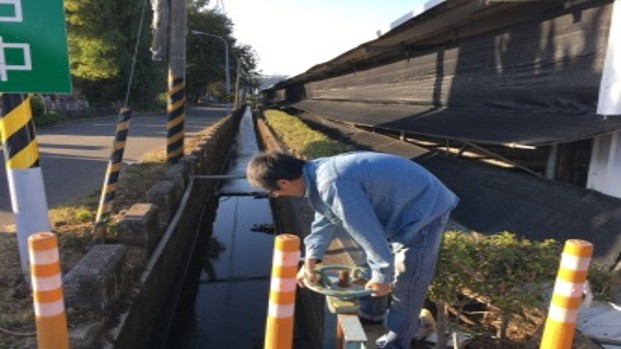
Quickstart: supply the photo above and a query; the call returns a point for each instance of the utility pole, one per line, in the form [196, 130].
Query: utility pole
[176, 80]
[236, 101]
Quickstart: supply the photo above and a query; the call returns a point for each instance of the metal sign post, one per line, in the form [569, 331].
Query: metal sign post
[33, 58]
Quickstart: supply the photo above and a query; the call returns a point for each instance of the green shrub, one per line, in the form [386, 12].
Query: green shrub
[507, 274]
[603, 283]
[457, 262]
[300, 138]
[161, 101]
[84, 215]
[515, 273]
[37, 105]
[49, 118]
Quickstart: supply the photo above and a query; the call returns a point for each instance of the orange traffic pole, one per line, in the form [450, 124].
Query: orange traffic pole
[49, 308]
[279, 329]
[568, 288]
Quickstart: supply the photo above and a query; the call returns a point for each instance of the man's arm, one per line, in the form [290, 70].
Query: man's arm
[322, 233]
[316, 243]
[349, 202]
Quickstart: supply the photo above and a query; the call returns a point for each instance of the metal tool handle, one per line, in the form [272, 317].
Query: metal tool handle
[328, 282]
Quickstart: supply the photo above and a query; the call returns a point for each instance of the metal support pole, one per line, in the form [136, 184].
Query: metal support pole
[461, 150]
[330, 324]
[341, 326]
[523, 168]
[21, 155]
[552, 162]
[353, 336]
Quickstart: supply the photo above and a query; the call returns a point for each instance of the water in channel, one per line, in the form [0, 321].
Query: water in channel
[224, 301]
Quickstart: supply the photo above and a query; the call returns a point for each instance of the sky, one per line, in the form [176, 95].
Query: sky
[291, 36]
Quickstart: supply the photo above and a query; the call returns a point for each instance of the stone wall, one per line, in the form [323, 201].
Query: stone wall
[127, 286]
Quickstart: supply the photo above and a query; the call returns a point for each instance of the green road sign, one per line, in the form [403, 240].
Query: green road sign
[33, 47]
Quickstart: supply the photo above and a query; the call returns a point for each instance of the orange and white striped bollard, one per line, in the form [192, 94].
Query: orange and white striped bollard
[279, 328]
[560, 325]
[49, 307]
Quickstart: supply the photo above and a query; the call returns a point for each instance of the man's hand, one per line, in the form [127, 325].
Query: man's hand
[378, 288]
[307, 271]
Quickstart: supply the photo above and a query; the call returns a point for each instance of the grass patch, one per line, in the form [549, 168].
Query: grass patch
[301, 139]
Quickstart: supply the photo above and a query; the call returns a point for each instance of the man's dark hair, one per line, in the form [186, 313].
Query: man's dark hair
[265, 169]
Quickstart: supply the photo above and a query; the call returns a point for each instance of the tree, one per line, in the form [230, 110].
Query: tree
[102, 38]
[205, 55]
[247, 76]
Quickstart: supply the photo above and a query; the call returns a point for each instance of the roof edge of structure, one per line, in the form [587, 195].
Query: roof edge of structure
[498, 127]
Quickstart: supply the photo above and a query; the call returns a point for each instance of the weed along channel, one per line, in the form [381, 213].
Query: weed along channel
[224, 300]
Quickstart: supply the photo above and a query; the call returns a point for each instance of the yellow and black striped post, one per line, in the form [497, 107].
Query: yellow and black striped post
[176, 118]
[21, 155]
[112, 173]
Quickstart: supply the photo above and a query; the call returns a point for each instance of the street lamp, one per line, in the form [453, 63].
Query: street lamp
[226, 60]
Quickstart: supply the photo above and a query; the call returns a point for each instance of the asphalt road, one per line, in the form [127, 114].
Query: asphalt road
[74, 156]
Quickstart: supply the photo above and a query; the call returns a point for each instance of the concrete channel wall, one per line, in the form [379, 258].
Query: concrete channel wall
[126, 287]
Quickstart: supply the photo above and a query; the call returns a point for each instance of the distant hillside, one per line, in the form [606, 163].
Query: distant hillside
[269, 80]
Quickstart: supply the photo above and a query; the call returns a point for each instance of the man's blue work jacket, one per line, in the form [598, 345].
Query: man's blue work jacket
[374, 197]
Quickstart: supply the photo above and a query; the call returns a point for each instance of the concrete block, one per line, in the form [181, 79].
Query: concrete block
[86, 336]
[135, 261]
[176, 175]
[96, 281]
[164, 196]
[140, 227]
[199, 153]
[189, 163]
